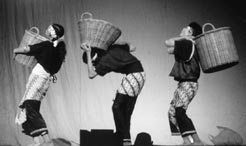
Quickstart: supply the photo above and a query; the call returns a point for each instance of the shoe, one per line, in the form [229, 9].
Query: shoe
[127, 142]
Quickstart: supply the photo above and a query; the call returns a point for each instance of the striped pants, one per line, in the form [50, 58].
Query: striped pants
[125, 101]
[36, 88]
[180, 123]
[132, 84]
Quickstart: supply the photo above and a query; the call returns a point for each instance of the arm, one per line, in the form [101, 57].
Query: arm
[21, 50]
[91, 70]
[184, 50]
[132, 48]
[171, 42]
[31, 49]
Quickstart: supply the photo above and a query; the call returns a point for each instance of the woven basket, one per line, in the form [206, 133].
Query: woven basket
[30, 37]
[97, 33]
[216, 49]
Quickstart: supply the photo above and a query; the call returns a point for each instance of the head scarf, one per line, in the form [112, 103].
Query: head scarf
[196, 28]
[58, 29]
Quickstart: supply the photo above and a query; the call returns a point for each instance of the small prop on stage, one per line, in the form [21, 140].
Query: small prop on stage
[216, 49]
[97, 33]
[143, 139]
[30, 37]
[226, 136]
[57, 142]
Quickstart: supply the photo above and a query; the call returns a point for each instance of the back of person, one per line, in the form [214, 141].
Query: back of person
[50, 57]
[120, 60]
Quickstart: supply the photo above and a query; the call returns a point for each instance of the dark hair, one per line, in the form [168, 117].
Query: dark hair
[58, 29]
[94, 51]
[196, 28]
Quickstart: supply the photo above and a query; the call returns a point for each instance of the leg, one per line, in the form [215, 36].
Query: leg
[186, 140]
[36, 141]
[118, 113]
[173, 121]
[128, 113]
[35, 125]
[131, 101]
[46, 137]
[130, 88]
[182, 98]
[174, 125]
[196, 139]
[185, 124]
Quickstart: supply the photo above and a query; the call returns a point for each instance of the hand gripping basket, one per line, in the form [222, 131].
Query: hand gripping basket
[30, 37]
[98, 33]
[216, 49]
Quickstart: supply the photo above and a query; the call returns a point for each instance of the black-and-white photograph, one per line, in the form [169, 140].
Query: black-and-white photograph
[122, 72]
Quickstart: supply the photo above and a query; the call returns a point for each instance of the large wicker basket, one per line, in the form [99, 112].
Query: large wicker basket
[97, 33]
[216, 49]
[30, 37]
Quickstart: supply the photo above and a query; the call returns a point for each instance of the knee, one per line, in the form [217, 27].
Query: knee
[118, 102]
[115, 107]
[171, 111]
[180, 112]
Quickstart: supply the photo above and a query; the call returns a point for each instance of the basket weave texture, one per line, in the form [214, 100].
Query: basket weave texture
[97, 33]
[30, 37]
[216, 49]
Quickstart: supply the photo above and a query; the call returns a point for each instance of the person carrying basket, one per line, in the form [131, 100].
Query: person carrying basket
[117, 58]
[50, 55]
[186, 71]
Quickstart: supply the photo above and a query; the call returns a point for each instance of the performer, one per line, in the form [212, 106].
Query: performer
[118, 59]
[186, 71]
[49, 55]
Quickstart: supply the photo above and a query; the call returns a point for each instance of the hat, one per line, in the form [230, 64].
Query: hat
[197, 29]
[58, 29]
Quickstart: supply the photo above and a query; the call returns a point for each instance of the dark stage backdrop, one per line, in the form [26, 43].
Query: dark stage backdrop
[76, 102]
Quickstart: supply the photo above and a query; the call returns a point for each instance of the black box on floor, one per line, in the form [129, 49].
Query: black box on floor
[99, 137]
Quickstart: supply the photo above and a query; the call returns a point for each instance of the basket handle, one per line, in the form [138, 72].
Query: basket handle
[206, 24]
[86, 13]
[34, 28]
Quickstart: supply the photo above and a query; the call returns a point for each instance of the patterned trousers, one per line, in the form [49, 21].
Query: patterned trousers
[180, 123]
[132, 84]
[125, 101]
[36, 88]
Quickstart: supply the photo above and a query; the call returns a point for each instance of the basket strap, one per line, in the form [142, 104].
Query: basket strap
[84, 14]
[207, 24]
[192, 52]
[34, 28]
